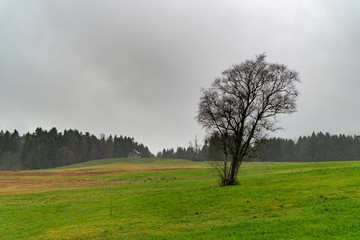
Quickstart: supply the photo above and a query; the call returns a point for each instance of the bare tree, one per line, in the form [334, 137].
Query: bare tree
[195, 147]
[242, 105]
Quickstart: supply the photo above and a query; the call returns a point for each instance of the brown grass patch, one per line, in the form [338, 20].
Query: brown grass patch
[50, 180]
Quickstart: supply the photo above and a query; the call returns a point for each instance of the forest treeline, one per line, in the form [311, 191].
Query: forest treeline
[49, 149]
[317, 147]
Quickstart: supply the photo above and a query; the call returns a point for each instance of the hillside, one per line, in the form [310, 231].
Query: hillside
[178, 199]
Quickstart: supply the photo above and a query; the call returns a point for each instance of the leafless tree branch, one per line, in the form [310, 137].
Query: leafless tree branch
[242, 105]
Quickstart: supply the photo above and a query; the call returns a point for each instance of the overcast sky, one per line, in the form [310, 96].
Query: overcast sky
[136, 67]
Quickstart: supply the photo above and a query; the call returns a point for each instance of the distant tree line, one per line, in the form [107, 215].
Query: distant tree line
[314, 148]
[318, 147]
[49, 149]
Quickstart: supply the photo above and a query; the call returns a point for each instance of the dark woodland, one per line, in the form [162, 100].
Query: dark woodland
[318, 147]
[49, 149]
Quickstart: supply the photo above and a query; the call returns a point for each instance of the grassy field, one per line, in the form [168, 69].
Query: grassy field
[178, 199]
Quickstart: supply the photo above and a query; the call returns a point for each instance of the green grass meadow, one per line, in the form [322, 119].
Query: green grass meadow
[273, 201]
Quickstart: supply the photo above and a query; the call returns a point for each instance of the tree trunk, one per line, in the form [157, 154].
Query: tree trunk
[231, 178]
[225, 170]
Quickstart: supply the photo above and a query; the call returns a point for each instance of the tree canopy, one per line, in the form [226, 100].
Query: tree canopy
[243, 104]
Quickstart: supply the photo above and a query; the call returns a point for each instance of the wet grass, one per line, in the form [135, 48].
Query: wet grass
[273, 201]
[139, 161]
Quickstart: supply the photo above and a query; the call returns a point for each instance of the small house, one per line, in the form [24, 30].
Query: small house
[134, 154]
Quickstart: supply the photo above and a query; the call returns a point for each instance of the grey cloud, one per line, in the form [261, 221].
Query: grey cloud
[136, 67]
